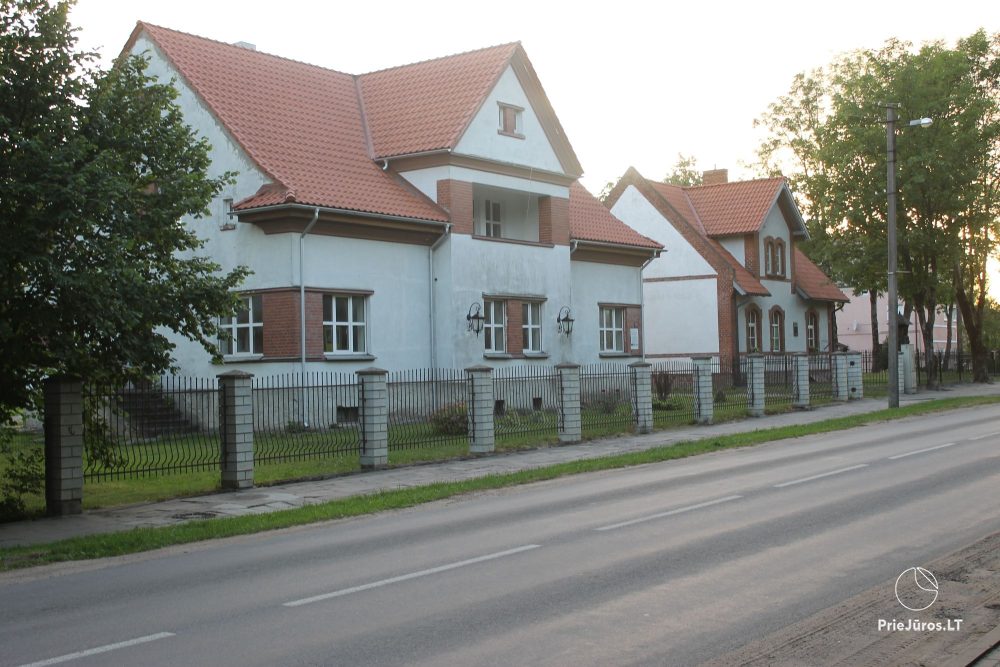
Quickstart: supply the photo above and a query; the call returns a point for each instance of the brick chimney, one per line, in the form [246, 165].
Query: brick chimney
[715, 177]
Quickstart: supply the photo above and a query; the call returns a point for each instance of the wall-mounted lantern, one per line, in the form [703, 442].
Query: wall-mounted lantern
[475, 319]
[564, 321]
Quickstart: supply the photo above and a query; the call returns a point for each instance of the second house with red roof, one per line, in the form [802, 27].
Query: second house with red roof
[423, 216]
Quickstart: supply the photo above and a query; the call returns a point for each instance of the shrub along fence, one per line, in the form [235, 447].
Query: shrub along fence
[236, 421]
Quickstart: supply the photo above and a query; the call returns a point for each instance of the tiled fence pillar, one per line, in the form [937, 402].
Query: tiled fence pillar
[801, 383]
[236, 406]
[642, 386]
[908, 363]
[570, 426]
[901, 373]
[374, 417]
[855, 381]
[755, 385]
[841, 384]
[704, 397]
[63, 446]
[481, 406]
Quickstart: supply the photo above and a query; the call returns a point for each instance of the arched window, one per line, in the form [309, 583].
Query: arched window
[768, 255]
[778, 265]
[812, 331]
[753, 328]
[776, 321]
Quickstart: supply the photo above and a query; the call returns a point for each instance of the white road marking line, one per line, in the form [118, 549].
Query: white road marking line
[100, 649]
[820, 476]
[921, 451]
[412, 575]
[679, 510]
[983, 437]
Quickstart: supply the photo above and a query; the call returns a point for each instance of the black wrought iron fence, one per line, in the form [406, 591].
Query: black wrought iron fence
[607, 399]
[821, 380]
[672, 384]
[427, 408]
[526, 403]
[300, 416]
[150, 427]
[874, 374]
[779, 381]
[729, 388]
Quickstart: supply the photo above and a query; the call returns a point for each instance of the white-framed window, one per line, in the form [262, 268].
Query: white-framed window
[753, 329]
[345, 328]
[492, 218]
[531, 326]
[612, 329]
[495, 325]
[243, 333]
[777, 322]
[812, 331]
[511, 120]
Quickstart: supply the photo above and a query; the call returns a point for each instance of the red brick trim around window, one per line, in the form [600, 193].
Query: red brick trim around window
[456, 197]
[776, 316]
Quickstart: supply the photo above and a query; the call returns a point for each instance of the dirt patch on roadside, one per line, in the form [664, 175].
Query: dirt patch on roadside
[848, 633]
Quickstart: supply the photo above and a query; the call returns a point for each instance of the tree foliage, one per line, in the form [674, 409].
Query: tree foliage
[830, 131]
[684, 172]
[97, 170]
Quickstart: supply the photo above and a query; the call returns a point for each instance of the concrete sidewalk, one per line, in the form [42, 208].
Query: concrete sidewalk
[286, 496]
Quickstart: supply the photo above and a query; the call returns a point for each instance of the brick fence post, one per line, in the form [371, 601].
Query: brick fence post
[801, 384]
[570, 426]
[482, 438]
[63, 446]
[642, 387]
[855, 379]
[840, 380]
[755, 384]
[374, 417]
[703, 390]
[236, 406]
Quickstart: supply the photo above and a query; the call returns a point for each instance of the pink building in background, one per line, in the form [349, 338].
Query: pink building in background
[854, 325]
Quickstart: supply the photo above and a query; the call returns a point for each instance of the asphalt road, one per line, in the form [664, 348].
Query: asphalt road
[666, 564]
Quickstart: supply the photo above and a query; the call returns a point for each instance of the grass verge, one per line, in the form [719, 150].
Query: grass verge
[145, 539]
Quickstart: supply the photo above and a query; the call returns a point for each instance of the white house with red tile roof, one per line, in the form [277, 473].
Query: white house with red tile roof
[736, 280]
[379, 211]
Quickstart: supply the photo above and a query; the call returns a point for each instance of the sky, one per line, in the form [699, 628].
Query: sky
[633, 83]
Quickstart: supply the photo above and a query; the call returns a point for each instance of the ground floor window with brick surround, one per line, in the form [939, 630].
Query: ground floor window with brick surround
[777, 322]
[753, 328]
[243, 333]
[531, 327]
[494, 326]
[612, 329]
[344, 324]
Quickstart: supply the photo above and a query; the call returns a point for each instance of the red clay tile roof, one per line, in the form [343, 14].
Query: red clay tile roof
[427, 106]
[300, 123]
[813, 283]
[677, 198]
[734, 208]
[589, 220]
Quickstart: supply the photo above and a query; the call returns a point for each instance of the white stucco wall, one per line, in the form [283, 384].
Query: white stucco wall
[595, 283]
[426, 180]
[481, 138]
[679, 258]
[681, 317]
[735, 246]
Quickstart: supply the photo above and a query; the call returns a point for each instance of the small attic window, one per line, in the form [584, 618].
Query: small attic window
[511, 124]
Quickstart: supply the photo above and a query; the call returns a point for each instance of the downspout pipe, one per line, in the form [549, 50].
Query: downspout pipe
[302, 308]
[642, 301]
[430, 292]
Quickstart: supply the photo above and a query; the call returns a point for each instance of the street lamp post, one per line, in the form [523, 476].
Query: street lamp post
[893, 342]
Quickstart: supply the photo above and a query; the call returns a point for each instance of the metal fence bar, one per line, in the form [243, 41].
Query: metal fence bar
[527, 403]
[673, 393]
[779, 381]
[151, 427]
[875, 375]
[729, 388]
[820, 377]
[305, 416]
[427, 408]
[606, 399]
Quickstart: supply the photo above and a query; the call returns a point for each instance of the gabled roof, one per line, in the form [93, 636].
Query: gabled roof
[812, 283]
[299, 123]
[427, 106]
[589, 220]
[728, 209]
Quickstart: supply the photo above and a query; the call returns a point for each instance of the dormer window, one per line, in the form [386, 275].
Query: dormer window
[774, 258]
[511, 121]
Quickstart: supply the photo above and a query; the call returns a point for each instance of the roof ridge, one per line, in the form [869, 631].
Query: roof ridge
[719, 185]
[697, 217]
[146, 24]
[444, 57]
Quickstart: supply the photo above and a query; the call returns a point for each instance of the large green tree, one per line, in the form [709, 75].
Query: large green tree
[828, 130]
[97, 170]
